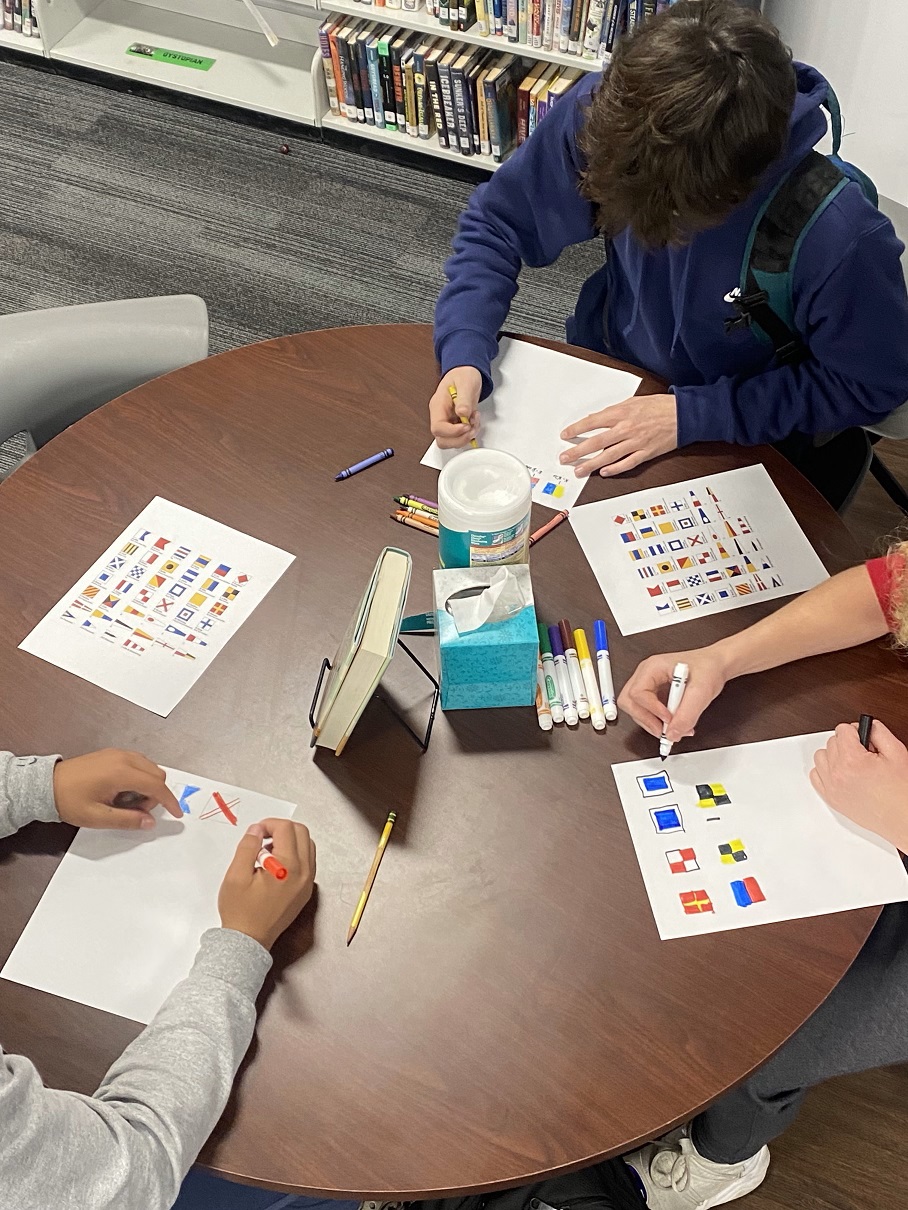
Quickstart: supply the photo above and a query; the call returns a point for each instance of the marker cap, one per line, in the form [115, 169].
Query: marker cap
[545, 645]
[564, 629]
[583, 650]
[555, 638]
[600, 635]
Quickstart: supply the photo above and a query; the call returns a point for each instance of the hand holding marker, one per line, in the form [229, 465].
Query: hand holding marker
[675, 694]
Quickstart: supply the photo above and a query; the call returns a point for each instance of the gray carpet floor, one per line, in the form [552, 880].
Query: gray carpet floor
[109, 195]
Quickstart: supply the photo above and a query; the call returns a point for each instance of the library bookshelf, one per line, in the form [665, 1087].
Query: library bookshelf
[223, 56]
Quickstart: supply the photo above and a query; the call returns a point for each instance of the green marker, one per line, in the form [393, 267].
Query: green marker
[548, 668]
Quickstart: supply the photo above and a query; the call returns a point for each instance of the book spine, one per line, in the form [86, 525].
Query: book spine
[7, 14]
[356, 77]
[523, 115]
[593, 33]
[17, 16]
[392, 3]
[578, 21]
[444, 12]
[410, 5]
[408, 68]
[536, 24]
[473, 101]
[387, 84]
[565, 27]
[434, 86]
[497, 24]
[482, 17]
[555, 8]
[365, 84]
[522, 9]
[468, 15]
[511, 20]
[613, 25]
[461, 111]
[531, 115]
[447, 100]
[378, 106]
[348, 106]
[482, 107]
[400, 108]
[492, 119]
[324, 44]
[27, 18]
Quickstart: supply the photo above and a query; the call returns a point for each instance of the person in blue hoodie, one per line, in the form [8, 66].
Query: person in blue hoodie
[670, 154]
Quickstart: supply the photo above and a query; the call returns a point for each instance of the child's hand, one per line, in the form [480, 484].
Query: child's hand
[628, 434]
[254, 902]
[86, 786]
[444, 414]
[869, 787]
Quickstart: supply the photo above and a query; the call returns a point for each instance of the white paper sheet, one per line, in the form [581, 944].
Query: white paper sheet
[154, 610]
[537, 393]
[119, 924]
[694, 548]
[773, 851]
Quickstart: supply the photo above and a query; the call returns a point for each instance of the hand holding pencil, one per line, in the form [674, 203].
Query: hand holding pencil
[453, 414]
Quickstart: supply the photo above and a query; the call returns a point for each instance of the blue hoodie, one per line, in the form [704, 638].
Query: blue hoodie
[665, 308]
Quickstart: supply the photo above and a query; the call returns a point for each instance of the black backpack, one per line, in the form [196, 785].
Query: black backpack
[609, 1185]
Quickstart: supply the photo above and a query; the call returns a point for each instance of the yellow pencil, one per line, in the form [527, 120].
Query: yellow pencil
[452, 390]
[370, 878]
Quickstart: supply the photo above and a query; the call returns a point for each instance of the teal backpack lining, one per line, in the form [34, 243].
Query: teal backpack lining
[763, 298]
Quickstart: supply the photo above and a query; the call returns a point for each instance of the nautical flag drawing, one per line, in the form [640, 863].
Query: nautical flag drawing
[666, 819]
[628, 536]
[221, 570]
[80, 604]
[197, 598]
[181, 552]
[744, 589]
[186, 614]
[776, 582]
[665, 566]
[190, 575]
[703, 599]
[762, 586]
[678, 506]
[658, 510]
[685, 561]
[90, 590]
[694, 499]
[204, 624]
[683, 603]
[211, 585]
[170, 567]
[176, 630]
[694, 581]
[744, 525]
[732, 533]
[241, 580]
[646, 572]
[667, 527]
[733, 571]
[218, 608]
[674, 584]
[133, 612]
[162, 543]
[706, 556]
[765, 563]
[165, 605]
[675, 545]
[145, 595]
[656, 550]
[194, 638]
[682, 861]
[695, 540]
[185, 794]
[654, 590]
[110, 601]
[666, 607]
[177, 590]
[69, 616]
[116, 563]
[152, 556]
[724, 594]
[732, 852]
[124, 586]
[654, 783]
[695, 902]
[723, 552]
[636, 554]
[685, 523]
[748, 564]
[156, 581]
[705, 518]
[622, 520]
[712, 794]
[645, 531]
[747, 891]
[142, 536]
[102, 577]
[201, 562]
[129, 549]
[138, 571]
[638, 514]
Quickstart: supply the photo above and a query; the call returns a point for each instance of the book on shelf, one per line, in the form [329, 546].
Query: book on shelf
[387, 77]
[398, 49]
[365, 651]
[407, 66]
[324, 45]
[378, 106]
[434, 86]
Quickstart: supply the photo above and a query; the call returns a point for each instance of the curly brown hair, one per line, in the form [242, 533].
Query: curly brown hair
[692, 109]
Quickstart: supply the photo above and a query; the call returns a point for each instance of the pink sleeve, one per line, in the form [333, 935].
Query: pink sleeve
[884, 576]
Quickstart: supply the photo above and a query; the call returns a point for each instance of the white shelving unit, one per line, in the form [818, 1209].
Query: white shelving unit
[31, 46]
[286, 81]
[422, 22]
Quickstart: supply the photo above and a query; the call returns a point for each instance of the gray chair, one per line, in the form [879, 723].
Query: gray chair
[58, 365]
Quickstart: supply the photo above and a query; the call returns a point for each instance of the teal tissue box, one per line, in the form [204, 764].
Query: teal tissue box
[494, 665]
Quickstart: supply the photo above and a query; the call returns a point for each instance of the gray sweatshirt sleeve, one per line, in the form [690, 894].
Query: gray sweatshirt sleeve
[129, 1146]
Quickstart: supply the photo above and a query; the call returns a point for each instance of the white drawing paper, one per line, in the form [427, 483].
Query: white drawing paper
[536, 394]
[119, 924]
[154, 610]
[738, 836]
[699, 547]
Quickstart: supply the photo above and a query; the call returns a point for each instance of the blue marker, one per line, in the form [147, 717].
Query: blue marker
[606, 685]
[364, 465]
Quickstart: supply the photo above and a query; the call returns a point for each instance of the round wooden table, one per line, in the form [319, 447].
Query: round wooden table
[507, 1010]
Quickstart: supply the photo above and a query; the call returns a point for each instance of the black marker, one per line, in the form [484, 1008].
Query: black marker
[864, 725]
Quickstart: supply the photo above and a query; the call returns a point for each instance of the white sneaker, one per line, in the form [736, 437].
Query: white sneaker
[676, 1177]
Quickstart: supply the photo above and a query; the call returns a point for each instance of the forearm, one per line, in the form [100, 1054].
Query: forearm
[841, 612]
[26, 791]
[132, 1143]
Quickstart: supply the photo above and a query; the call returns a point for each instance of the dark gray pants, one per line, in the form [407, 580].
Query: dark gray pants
[863, 1024]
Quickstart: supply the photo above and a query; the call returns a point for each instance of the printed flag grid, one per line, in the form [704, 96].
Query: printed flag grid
[696, 533]
[136, 602]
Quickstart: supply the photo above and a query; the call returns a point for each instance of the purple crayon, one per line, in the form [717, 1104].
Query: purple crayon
[562, 678]
[364, 465]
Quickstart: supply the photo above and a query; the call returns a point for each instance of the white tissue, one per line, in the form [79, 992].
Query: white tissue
[504, 598]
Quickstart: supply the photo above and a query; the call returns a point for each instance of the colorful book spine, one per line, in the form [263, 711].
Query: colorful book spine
[324, 45]
[27, 18]
[511, 20]
[400, 106]
[17, 16]
[348, 104]
[579, 11]
[424, 119]
[408, 69]
[7, 14]
[467, 15]
[356, 76]
[461, 108]
[497, 17]
[387, 78]
[482, 17]
[365, 84]
[564, 29]
[444, 12]
[549, 9]
[447, 99]
[434, 85]
[378, 107]
[522, 21]
[535, 24]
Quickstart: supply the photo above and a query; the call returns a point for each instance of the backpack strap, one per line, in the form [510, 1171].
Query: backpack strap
[763, 297]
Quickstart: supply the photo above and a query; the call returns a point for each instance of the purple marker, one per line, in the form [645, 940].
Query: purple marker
[364, 465]
[562, 677]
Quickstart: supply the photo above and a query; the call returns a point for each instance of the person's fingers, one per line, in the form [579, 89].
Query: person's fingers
[607, 457]
[817, 782]
[593, 445]
[132, 819]
[686, 717]
[257, 829]
[886, 744]
[451, 436]
[283, 833]
[464, 408]
[626, 464]
[312, 857]
[243, 864]
[595, 420]
[821, 763]
[153, 787]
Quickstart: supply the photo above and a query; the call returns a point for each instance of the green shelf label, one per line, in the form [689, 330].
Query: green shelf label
[178, 58]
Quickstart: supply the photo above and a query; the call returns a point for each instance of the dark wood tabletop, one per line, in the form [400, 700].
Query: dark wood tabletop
[507, 1010]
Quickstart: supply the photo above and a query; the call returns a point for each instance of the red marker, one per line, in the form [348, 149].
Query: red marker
[218, 798]
[265, 861]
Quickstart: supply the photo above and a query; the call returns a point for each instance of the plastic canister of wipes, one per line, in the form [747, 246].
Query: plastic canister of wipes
[484, 499]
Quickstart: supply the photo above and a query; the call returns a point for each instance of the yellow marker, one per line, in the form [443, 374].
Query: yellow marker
[370, 878]
[452, 391]
[597, 714]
